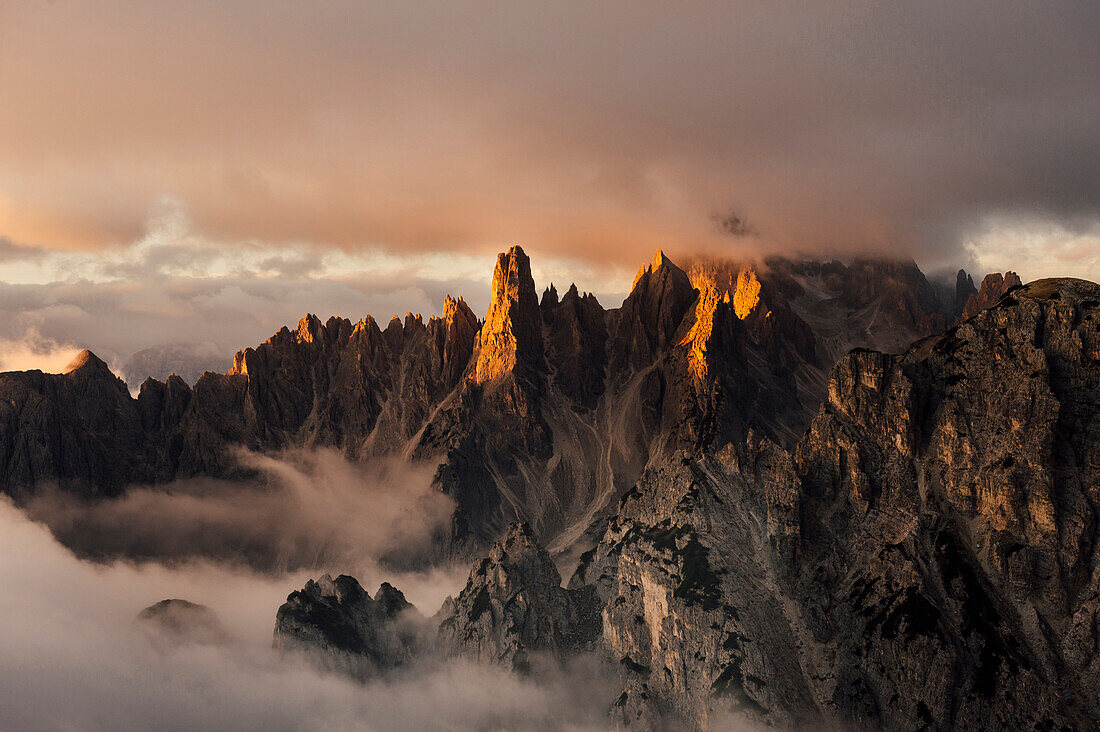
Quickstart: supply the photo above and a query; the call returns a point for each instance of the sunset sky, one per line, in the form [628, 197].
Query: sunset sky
[206, 171]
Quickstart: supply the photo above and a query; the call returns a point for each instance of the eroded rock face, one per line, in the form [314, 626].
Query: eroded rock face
[925, 557]
[513, 605]
[510, 343]
[336, 624]
[993, 287]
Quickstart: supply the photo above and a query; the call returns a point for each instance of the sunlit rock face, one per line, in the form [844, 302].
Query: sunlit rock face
[923, 558]
[511, 339]
[802, 500]
[993, 287]
[747, 295]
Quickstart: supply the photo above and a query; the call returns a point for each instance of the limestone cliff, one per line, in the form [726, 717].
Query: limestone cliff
[925, 557]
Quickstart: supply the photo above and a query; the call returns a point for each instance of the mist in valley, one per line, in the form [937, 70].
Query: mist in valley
[75, 657]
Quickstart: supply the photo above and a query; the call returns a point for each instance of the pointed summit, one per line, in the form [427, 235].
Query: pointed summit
[513, 604]
[87, 362]
[993, 286]
[549, 297]
[661, 266]
[658, 300]
[309, 328]
[455, 340]
[511, 338]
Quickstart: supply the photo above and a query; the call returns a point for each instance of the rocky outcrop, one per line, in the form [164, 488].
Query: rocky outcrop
[993, 287]
[576, 340]
[964, 290]
[512, 610]
[79, 430]
[513, 606]
[510, 342]
[337, 625]
[650, 315]
[924, 558]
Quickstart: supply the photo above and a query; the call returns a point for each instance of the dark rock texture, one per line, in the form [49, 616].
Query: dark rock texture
[907, 538]
[547, 413]
[924, 557]
[514, 605]
[340, 627]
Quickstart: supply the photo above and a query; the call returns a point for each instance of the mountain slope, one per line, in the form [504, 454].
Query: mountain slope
[925, 557]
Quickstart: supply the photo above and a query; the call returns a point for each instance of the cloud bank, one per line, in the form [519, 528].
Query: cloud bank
[305, 510]
[75, 659]
[597, 131]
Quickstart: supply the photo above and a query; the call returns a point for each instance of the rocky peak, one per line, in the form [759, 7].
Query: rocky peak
[511, 338]
[993, 286]
[179, 622]
[651, 314]
[964, 289]
[92, 375]
[455, 340]
[577, 339]
[340, 627]
[391, 600]
[87, 363]
[549, 297]
[309, 329]
[514, 604]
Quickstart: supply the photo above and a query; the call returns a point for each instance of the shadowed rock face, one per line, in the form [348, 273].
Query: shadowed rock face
[924, 557]
[340, 627]
[513, 605]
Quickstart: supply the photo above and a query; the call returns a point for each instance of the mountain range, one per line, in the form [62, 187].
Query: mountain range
[813, 493]
[546, 411]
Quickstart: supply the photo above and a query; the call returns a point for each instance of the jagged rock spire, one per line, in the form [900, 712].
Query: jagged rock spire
[511, 338]
[658, 300]
[993, 286]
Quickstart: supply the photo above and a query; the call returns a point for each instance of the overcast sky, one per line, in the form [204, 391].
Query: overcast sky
[359, 157]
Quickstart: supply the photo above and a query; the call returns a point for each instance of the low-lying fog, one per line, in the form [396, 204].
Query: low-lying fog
[72, 657]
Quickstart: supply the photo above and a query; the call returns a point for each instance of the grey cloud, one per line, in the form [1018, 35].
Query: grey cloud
[116, 319]
[306, 509]
[10, 251]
